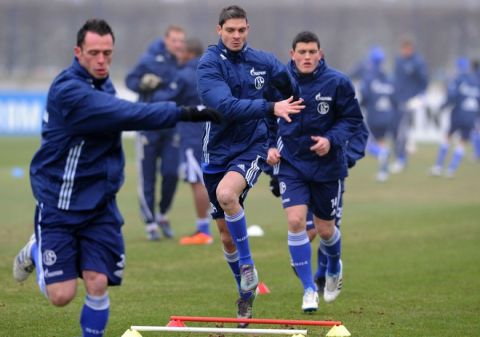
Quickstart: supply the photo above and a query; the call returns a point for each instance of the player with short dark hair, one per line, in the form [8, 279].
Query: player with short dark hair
[76, 174]
[235, 79]
[312, 162]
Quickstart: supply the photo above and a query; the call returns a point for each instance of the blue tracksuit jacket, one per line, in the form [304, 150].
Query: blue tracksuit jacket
[236, 85]
[157, 60]
[464, 98]
[356, 145]
[183, 91]
[79, 164]
[190, 133]
[378, 98]
[411, 77]
[331, 111]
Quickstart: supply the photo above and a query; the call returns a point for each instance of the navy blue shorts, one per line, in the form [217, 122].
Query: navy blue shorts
[338, 216]
[322, 198]
[71, 242]
[248, 168]
[464, 130]
[379, 132]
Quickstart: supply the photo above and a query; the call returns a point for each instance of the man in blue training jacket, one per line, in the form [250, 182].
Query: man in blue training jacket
[157, 150]
[312, 163]
[378, 98]
[76, 174]
[191, 145]
[183, 91]
[355, 150]
[235, 79]
[410, 81]
[463, 96]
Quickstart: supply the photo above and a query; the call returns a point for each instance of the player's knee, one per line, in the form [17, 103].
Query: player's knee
[296, 223]
[325, 229]
[95, 283]
[61, 296]
[227, 198]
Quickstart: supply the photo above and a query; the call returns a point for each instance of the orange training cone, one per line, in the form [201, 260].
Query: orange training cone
[176, 323]
[262, 289]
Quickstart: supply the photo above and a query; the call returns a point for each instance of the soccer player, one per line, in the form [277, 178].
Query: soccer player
[411, 81]
[312, 162]
[377, 92]
[76, 174]
[476, 130]
[233, 78]
[184, 92]
[464, 98]
[155, 73]
[355, 150]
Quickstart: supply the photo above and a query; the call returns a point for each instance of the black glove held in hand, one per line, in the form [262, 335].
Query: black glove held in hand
[199, 113]
[275, 186]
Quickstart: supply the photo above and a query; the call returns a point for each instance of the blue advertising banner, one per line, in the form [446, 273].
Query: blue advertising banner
[21, 112]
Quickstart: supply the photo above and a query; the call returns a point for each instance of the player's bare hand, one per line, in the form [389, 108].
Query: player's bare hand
[273, 156]
[286, 107]
[321, 146]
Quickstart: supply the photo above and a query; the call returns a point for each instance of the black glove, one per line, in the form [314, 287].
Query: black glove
[199, 113]
[275, 186]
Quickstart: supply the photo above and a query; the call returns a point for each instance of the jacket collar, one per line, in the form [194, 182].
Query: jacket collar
[322, 65]
[232, 55]
[83, 73]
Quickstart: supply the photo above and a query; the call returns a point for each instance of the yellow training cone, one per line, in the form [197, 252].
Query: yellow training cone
[131, 333]
[338, 331]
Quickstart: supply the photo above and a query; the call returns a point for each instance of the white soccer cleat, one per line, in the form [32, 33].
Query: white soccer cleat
[310, 300]
[248, 278]
[382, 177]
[152, 231]
[23, 263]
[333, 285]
[397, 167]
[435, 171]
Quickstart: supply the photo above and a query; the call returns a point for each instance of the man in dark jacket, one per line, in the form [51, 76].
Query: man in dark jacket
[234, 79]
[76, 174]
[157, 150]
[463, 97]
[191, 145]
[312, 162]
[378, 99]
[411, 82]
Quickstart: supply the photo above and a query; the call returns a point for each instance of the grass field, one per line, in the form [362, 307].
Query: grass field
[410, 250]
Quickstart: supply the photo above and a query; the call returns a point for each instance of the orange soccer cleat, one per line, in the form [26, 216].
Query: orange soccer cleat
[198, 238]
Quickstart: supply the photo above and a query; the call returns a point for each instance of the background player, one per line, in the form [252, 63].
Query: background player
[155, 73]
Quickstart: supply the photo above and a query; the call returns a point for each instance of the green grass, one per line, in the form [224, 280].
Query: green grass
[410, 250]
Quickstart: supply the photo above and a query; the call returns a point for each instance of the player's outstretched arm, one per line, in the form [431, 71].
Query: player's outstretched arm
[199, 113]
[284, 108]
